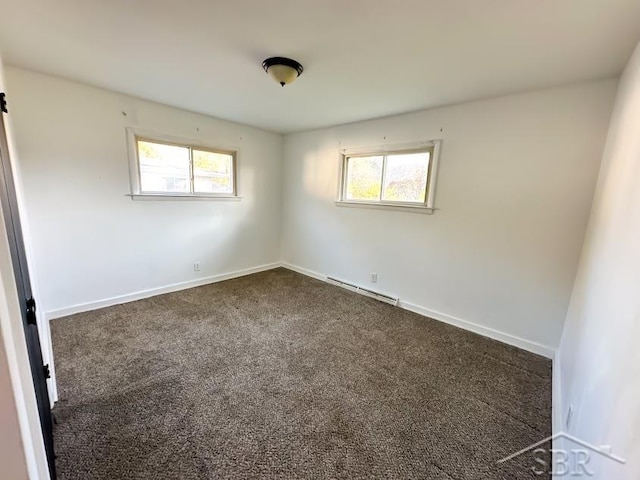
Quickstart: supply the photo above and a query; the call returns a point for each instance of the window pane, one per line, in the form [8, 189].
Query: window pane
[163, 168]
[364, 178]
[405, 178]
[212, 172]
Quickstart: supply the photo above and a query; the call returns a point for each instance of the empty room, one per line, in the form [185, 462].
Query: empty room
[298, 239]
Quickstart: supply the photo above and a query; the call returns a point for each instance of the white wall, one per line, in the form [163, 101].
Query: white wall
[599, 354]
[517, 175]
[12, 457]
[90, 242]
[22, 453]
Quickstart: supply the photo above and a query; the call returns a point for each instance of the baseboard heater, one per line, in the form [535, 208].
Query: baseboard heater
[364, 291]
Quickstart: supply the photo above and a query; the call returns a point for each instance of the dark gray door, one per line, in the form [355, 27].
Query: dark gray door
[39, 371]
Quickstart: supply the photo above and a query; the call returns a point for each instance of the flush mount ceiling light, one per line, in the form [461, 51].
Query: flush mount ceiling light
[282, 70]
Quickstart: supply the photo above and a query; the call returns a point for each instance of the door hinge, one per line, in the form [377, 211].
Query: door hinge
[3, 102]
[47, 371]
[31, 311]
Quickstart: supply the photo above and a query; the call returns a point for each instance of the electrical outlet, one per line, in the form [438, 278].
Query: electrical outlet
[374, 277]
[196, 266]
[567, 422]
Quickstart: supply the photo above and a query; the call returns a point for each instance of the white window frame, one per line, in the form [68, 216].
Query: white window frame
[428, 206]
[134, 135]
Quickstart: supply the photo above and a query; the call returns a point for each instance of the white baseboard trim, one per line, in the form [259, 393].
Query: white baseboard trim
[507, 338]
[503, 337]
[557, 410]
[152, 292]
[557, 414]
[303, 271]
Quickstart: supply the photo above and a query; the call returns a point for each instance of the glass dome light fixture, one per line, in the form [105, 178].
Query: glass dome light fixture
[282, 70]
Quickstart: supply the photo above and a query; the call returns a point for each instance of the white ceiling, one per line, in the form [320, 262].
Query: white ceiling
[362, 58]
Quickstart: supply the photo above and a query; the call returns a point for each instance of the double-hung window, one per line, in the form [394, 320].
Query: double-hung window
[181, 169]
[401, 177]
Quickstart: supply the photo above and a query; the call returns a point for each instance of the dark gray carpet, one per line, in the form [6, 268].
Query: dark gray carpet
[276, 375]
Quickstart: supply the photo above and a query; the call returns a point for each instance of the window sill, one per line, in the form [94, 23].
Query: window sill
[388, 206]
[178, 196]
